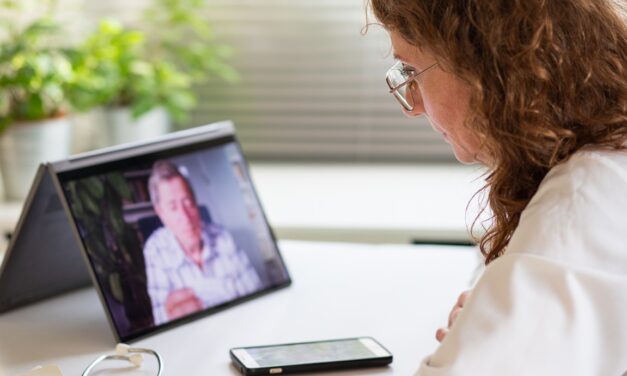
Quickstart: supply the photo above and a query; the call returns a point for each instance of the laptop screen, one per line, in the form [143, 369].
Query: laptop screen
[173, 234]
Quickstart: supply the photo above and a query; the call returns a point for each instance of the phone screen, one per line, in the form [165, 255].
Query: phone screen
[311, 352]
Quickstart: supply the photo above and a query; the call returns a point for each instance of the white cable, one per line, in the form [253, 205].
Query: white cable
[129, 354]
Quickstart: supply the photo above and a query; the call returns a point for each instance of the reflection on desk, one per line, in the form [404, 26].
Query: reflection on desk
[398, 294]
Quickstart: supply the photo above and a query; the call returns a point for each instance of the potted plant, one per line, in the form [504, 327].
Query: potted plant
[179, 33]
[138, 95]
[144, 76]
[33, 105]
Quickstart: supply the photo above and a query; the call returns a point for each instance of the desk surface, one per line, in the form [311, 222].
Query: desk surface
[369, 203]
[398, 294]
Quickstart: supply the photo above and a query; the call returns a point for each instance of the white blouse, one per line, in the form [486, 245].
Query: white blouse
[556, 302]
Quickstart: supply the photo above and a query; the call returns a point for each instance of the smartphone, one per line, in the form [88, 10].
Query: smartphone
[310, 356]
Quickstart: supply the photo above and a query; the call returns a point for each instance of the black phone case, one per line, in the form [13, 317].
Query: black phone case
[310, 367]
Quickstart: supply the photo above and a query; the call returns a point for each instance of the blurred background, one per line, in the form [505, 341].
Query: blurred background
[301, 80]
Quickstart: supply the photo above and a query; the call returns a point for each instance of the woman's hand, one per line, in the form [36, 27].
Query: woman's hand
[441, 332]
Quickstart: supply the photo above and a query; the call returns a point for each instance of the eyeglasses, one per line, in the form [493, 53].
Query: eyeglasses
[402, 80]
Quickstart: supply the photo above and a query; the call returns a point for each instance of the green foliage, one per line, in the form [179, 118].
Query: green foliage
[179, 33]
[112, 69]
[153, 66]
[103, 67]
[161, 84]
[112, 244]
[115, 66]
[32, 75]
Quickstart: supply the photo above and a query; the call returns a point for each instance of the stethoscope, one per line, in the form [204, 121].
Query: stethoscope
[130, 354]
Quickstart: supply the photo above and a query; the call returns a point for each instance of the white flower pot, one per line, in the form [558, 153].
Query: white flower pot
[86, 130]
[121, 128]
[24, 145]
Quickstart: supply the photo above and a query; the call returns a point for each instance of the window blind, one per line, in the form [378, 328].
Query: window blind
[311, 85]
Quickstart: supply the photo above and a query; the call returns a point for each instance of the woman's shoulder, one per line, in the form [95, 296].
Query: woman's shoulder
[587, 166]
[578, 213]
[586, 172]
[593, 160]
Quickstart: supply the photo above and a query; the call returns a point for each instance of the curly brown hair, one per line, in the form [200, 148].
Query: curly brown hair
[547, 78]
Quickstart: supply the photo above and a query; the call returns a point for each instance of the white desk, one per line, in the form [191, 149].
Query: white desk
[379, 203]
[398, 294]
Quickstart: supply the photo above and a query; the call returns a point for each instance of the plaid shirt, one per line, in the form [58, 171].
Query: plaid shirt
[226, 273]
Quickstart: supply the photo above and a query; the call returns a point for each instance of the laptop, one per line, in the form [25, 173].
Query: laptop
[167, 231]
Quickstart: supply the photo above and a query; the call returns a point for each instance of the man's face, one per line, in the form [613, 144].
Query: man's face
[177, 209]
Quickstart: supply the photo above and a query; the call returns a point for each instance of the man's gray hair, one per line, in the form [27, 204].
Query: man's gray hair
[162, 170]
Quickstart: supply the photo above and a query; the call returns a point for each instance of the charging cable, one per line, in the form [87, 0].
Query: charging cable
[129, 354]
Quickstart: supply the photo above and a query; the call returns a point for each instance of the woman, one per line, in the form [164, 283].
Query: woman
[535, 90]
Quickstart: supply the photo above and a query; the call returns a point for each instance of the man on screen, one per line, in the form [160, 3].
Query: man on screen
[190, 265]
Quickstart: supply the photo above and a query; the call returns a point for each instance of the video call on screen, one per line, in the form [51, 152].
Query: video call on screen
[173, 234]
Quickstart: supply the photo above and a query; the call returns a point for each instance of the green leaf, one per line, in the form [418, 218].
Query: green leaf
[4, 123]
[116, 287]
[61, 68]
[142, 105]
[109, 26]
[182, 99]
[75, 203]
[117, 222]
[94, 186]
[32, 108]
[53, 92]
[119, 183]
[39, 28]
[142, 68]
[9, 4]
[89, 202]
[5, 103]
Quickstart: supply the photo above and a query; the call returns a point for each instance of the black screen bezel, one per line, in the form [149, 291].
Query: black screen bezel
[117, 164]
